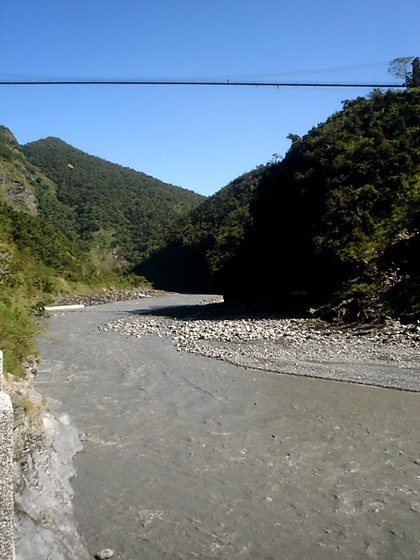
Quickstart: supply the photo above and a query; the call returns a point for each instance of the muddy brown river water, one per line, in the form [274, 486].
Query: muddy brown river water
[190, 457]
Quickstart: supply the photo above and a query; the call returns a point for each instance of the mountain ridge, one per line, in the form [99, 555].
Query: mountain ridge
[45, 249]
[107, 204]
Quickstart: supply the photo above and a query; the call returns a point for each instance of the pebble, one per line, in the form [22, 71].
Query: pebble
[104, 554]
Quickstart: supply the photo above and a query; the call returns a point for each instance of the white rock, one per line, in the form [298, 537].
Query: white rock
[104, 554]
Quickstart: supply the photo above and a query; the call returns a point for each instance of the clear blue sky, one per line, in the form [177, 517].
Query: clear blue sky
[196, 137]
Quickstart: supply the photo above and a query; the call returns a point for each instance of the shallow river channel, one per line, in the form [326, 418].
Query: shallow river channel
[189, 457]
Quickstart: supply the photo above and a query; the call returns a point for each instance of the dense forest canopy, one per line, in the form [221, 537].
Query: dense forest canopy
[104, 205]
[194, 249]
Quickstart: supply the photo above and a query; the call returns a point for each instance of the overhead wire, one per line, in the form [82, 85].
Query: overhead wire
[244, 80]
[228, 82]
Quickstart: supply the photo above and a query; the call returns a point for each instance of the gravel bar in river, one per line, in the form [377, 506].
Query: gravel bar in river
[384, 356]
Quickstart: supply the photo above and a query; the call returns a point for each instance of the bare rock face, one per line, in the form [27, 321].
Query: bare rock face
[44, 444]
[20, 197]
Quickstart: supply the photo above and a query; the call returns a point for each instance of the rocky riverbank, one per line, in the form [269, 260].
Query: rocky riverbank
[44, 445]
[384, 355]
[104, 296]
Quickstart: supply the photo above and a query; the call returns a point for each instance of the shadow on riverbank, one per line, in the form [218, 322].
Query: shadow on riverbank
[217, 310]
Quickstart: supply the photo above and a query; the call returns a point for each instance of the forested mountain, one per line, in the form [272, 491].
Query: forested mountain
[194, 250]
[335, 223]
[338, 219]
[102, 205]
[72, 237]
[35, 258]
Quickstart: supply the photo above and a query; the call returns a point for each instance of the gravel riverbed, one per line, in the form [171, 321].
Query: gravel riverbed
[385, 356]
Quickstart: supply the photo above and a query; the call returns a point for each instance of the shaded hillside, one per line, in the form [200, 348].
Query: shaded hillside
[336, 223]
[338, 219]
[194, 250]
[104, 207]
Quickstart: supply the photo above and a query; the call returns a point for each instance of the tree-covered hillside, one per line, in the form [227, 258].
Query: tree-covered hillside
[105, 207]
[194, 250]
[69, 238]
[335, 223]
[37, 260]
[338, 219]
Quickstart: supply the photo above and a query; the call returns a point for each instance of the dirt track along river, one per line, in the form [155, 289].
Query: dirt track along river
[186, 456]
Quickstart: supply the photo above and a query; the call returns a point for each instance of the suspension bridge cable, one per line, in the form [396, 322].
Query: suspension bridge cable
[227, 83]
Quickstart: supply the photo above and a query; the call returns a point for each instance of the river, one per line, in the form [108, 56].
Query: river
[189, 457]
